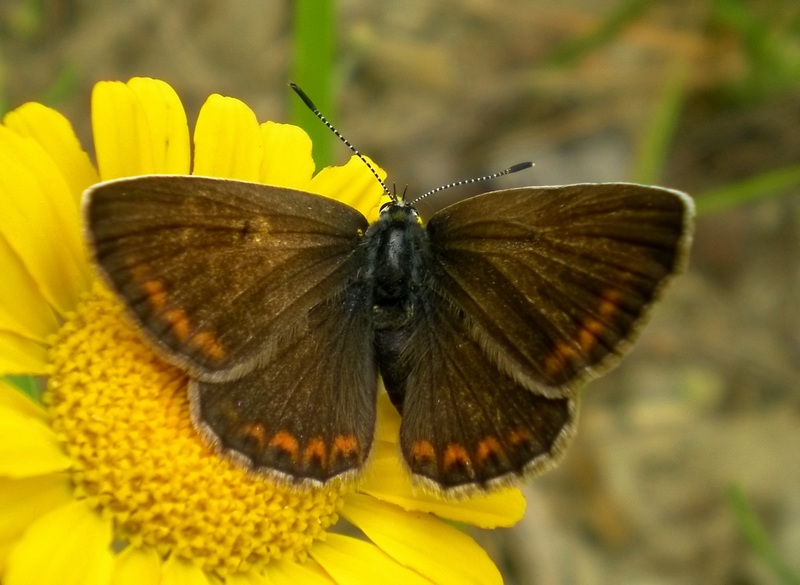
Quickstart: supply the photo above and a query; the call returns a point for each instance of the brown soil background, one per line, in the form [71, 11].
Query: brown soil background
[437, 91]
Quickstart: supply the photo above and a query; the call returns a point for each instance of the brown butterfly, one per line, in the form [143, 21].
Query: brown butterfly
[284, 307]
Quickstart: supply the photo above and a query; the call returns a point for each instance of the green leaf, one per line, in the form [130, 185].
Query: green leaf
[754, 188]
[577, 48]
[657, 138]
[27, 384]
[753, 530]
[312, 70]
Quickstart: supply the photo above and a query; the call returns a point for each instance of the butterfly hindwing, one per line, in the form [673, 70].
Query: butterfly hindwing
[308, 413]
[216, 272]
[556, 281]
[466, 423]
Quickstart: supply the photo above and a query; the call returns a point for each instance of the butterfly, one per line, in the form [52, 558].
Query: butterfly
[285, 308]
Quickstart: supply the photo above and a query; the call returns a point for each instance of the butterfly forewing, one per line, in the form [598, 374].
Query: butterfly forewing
[556, 281]
[216, 272]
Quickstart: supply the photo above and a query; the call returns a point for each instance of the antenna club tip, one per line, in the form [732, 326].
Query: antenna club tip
[306, 100]
[520, 167]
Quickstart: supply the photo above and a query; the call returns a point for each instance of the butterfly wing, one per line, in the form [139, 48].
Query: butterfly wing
[557, 281]
[529, 293]
[466, 422]
[217, 271]
[252, 290]
[308, 413]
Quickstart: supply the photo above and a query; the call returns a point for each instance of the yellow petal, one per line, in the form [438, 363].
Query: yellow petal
[28, 446]
[25, 500]
[135, 566]
[168, 129]
[41, 221]
[120, 133]
[55, 134]
[388, 426]
[178, 571]
[17, 401]
[440, 552]
[354, 562]
[139, 128]
[20, 355]
[23, 309]
[290, 573]
[286, 158]
[387, 480]
[352, 184]
[69, 546]
[227, 140]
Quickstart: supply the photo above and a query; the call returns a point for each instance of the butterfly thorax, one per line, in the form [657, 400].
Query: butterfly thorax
[399, 252]
[397, 246]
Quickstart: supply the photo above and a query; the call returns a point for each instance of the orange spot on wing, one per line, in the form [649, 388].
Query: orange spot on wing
[177, 318]
[315, 450]
[208, 344]
[155, 293]
[608, 306]
[592, 328]
[557, 360]
[455, 454]
[519, 436]
[178, 323]
[488, 447]
[285, 442]
[422, 451]
[587, 337]
[345, 445]
[255, 432]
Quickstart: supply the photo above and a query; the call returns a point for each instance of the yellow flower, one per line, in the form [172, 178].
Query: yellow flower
[107, 482]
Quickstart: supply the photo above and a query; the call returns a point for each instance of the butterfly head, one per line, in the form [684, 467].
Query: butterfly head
[399, 212]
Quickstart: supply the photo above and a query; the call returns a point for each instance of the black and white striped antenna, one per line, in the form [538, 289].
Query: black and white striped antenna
[307, 101]
[512, 169]
[393, 194]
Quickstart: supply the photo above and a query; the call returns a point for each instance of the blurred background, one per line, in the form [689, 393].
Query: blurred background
[685, 468]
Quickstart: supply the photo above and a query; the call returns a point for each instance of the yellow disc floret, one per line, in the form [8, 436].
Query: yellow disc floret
[123, 416]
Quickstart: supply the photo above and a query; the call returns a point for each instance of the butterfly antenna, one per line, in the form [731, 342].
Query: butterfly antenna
[513, 169]
[310, 105]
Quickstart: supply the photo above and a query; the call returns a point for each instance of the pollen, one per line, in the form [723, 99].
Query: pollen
[123, 415]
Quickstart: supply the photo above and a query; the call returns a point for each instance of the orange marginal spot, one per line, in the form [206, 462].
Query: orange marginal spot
[519, 436]
[156, 293]
[488, 447]
[286, 442]
[608, 306]
[556, 361]
[315, 450]
[344, 445]
[256, 432]
[422, 451]
[208, 345]
[455, 454]
[179, 323]
[587, 335]
[589, 332]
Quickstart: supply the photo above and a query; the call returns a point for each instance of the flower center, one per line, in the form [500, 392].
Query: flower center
[123, 416]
